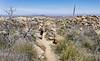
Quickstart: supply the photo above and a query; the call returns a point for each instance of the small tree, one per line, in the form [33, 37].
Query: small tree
[10, 12]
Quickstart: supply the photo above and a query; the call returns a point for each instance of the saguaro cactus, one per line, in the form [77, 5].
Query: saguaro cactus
[74, 10]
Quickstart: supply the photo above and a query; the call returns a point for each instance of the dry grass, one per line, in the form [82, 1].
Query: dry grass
[68, 51]
[27, 49]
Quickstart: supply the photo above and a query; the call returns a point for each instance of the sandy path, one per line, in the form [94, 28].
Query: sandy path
[48, 53]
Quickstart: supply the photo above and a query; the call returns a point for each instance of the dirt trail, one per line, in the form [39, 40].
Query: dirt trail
[48, 53]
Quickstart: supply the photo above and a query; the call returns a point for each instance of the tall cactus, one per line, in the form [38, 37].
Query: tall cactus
[74, 10]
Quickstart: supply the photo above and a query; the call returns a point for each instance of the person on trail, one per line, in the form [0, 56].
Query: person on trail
[41, 33]
[54, 41]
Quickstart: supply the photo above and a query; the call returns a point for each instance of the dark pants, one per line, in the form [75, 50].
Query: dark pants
[41, 33]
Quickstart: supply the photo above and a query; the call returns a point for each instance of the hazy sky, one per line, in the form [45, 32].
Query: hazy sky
[51, 7]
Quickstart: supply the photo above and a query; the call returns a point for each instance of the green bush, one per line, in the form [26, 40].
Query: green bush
[2, 45]
[27, 49]
[68, 51]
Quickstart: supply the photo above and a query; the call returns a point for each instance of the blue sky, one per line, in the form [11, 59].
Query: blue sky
[51, 7]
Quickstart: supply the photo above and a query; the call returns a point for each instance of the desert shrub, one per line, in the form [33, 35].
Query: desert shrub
[26, 49]
[61, 32]
[3, 41]
[33, 38]
[2, 45]
[69, 51]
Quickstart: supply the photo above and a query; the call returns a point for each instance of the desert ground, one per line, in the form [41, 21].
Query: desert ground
[50, 38]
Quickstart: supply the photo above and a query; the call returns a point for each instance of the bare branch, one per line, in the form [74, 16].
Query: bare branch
[10, 12]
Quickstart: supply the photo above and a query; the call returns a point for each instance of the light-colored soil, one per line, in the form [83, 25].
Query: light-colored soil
[45, 46]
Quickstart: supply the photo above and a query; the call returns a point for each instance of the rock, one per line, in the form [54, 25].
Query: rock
[51, 38]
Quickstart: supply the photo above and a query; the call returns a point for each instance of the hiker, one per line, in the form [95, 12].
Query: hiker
[41, 31]
[54, 41]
